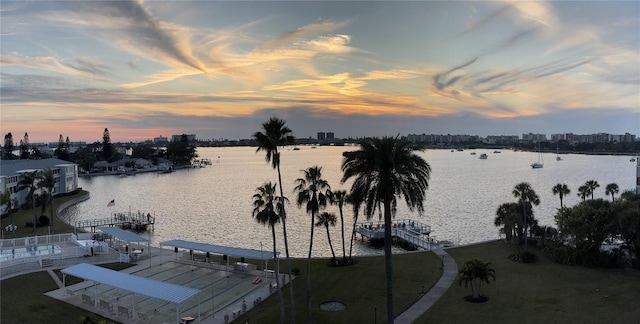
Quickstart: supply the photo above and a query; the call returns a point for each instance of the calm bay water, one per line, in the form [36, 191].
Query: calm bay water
[214, 204]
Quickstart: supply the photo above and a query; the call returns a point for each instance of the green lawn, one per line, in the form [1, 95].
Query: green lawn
[542, 292]
[361, 287]
[23, 301]
[23, 216]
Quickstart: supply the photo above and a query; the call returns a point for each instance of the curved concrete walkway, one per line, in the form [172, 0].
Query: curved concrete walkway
[449, 274]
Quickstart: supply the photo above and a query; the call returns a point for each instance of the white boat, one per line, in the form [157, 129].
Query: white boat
[483, 156]
[558, 158]
[540, 163]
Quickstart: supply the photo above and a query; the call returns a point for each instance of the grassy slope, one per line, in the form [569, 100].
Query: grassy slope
[542, 292]
[361, 287]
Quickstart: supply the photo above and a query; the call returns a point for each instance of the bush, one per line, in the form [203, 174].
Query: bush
[43, 221]
[28, 224]
[528, 257]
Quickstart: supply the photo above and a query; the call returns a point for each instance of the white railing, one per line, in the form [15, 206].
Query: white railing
[35, 240]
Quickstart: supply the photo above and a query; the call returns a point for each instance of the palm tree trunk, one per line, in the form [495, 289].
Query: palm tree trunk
[33, 206]
[51, 200]
[353, 235]
[286, 246]
[309, 269]
[524, 212]
[344, 253]
[277, 265]
[331, 245]
[387, 258]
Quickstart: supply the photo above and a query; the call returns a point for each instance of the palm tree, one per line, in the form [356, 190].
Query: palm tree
[612, 189]
[507, 215]
[28, 181]
[265, 207]
[277, 134]
[5, 198]
[474, 273]
[338, 198]
[328, 219]
[527, 196]
[592, 184]
[561, 190]
[384, 168]
[583, 192]
[48, 182]
[311, 191]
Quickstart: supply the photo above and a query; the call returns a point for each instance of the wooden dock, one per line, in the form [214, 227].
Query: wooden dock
[129, 220]
[406, 230]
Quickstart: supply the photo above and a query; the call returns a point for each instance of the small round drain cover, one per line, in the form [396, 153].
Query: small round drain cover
[332, 306]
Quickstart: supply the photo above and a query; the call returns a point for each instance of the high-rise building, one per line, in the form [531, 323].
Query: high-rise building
[321, 136]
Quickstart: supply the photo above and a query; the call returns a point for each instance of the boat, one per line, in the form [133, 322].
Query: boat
[473, 153]
[296, 148]
[497, 152]
[539, 164]
[558, 158]
[483, 156]
[632, 160]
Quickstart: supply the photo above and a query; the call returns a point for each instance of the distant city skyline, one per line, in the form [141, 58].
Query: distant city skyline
[219, 69]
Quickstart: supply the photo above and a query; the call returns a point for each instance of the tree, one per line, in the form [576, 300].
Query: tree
[589, 224]
[592, 184]
[276, 134]
[28, 181]
[338, 198]
[384, 168]
[583, 192]
[474, 273]
[265, 210]
[5, 199]
[328, 219]
[48, 182]
[527, 196]
[181, 153]
[561, 190]
[611, 189]
[7, 148]
[508, 216]
[310, 192]
[107, 150]
[24, 147]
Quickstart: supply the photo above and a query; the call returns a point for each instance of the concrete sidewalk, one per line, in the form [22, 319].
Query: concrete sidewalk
[449, 274]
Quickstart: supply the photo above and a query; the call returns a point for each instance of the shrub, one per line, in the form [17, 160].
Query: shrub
[43, 221]
[528, 257]
[28, 224]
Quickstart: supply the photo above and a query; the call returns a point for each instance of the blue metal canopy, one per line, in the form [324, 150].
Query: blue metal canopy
[139, 285]
[222, 250]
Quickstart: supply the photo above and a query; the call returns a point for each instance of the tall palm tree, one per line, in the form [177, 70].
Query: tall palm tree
[527, 196]
[28, 181]
[48, 182]
[265, 210]
[474, 273]
[275, 134]
[311, 191]
[338, 198]
[611, 189]
[561, 190]
[328, 219]
[384, 168]
[5, 198]
[592, 184]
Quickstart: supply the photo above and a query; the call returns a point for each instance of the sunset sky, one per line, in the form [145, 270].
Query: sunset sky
[362, 68]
